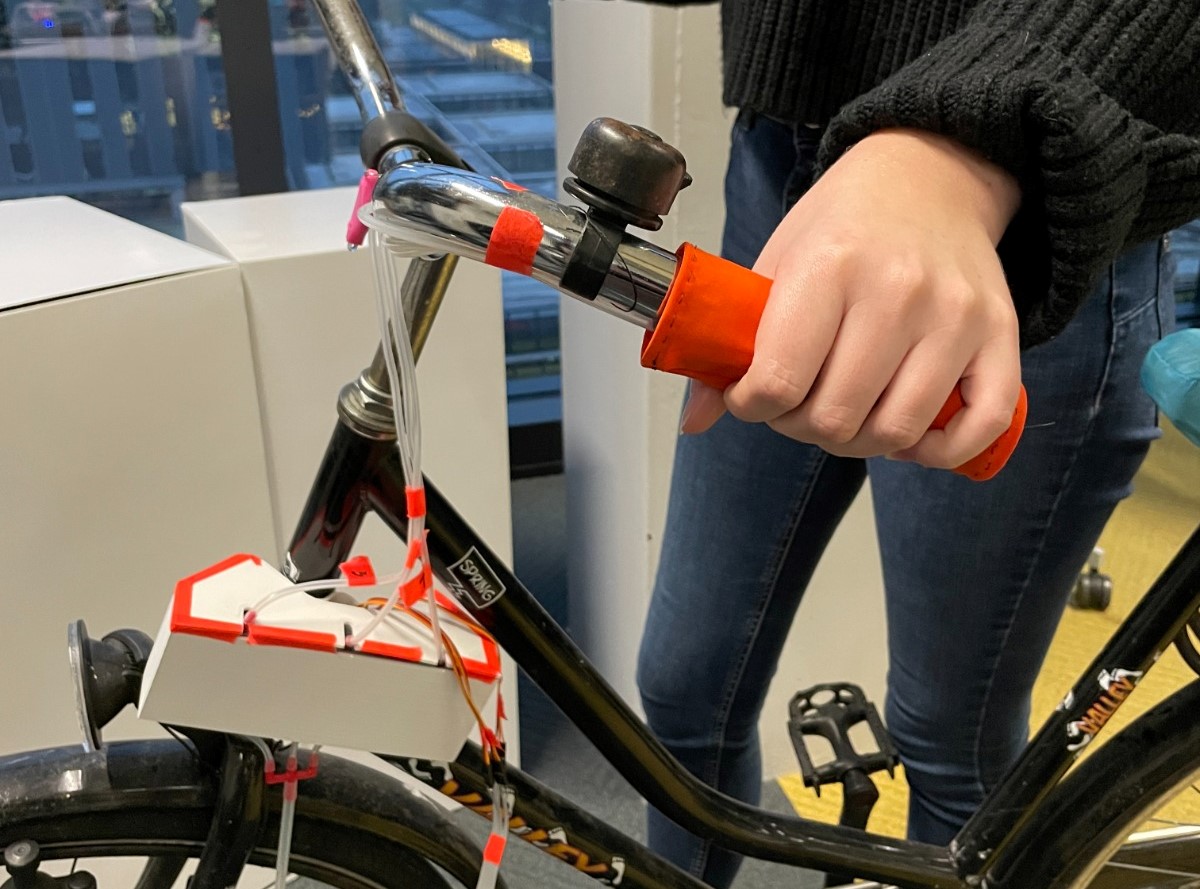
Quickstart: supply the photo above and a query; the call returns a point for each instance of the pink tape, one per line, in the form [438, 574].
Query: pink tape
[356, 232]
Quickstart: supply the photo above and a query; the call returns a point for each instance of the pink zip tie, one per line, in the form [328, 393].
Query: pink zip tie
[356, 232]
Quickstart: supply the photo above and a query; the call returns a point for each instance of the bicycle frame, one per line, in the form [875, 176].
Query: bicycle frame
[360, 472]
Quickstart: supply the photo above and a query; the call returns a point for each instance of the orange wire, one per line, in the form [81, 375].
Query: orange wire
[490, 751]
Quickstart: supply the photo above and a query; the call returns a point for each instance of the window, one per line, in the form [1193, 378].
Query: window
[115, 102]
[479, 74]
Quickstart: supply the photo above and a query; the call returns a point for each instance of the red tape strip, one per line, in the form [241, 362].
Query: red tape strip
[359, 571]
[293, 772]
[416, 501]
[514, 241]
[494, 850]
[511, 186]
[413, 591]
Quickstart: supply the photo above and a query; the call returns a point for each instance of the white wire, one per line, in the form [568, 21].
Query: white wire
[418, 630]
[677, 106]
[264, 749]
[407, 366]
[287, 818]
[311, 585]
[501, 816]
[287, 813]
[406, 413]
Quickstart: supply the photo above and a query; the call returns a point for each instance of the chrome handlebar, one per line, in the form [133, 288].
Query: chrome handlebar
[438, 209]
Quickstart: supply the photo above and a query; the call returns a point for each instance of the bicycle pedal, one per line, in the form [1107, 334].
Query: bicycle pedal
[830, 711]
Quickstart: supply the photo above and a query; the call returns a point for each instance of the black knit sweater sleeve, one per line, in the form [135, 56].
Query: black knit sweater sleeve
[1093, 104]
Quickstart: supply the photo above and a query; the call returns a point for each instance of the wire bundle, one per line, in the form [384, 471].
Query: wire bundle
[402, 375]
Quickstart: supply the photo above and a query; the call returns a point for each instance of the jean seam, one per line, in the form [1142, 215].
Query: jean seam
[1124, 318]
[1033, 563]
[739, 672]
[1065, 479]
[1112, 339]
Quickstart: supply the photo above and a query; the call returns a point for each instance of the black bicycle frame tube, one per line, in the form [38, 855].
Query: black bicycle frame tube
[551, 823]
[359, 473]
[1133, 649]
[336, 505]
[494, 597]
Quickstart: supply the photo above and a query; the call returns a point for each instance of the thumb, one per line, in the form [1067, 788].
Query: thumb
[704, 406]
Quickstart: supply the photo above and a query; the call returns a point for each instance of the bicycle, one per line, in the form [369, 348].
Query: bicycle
[209, 797]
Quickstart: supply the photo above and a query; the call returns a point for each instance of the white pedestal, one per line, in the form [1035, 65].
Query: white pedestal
[130, 444]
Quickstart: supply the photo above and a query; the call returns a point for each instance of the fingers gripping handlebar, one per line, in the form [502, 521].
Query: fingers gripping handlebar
[706, 330]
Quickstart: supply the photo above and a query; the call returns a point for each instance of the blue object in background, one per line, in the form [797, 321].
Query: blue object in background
[1185, 245]
[1171, 374]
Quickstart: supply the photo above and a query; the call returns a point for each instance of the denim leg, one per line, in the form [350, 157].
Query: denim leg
[749, 514]
[977, 574]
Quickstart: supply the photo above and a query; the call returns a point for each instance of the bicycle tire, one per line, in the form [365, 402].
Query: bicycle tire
[1083, 824]
[354, 828]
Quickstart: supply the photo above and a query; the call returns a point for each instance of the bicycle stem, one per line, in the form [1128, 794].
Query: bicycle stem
[359, 57]
[365, 404]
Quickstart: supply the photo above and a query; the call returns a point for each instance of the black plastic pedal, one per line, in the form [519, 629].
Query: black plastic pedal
[830, 711]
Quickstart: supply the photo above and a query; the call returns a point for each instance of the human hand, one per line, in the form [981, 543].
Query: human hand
[887, 292]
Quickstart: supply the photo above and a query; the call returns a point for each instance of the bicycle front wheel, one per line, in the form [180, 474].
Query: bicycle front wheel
[153, 801]
[1099, 830]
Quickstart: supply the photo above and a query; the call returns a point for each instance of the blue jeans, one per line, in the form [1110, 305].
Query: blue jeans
[976, 574]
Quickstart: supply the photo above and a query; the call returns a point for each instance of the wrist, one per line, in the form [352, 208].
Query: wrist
[990, 192]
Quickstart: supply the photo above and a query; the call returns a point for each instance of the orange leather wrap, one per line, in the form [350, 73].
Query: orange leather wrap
[706, 329]
[707, 323]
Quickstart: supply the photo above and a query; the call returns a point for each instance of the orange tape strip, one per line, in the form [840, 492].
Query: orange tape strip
[514, 241]
[494, 850]
[415, 498]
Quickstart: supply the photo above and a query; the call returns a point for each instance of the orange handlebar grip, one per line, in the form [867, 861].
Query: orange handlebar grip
[706, 329]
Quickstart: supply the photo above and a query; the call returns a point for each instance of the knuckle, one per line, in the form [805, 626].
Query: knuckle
[778, 384]
[960, 300]
[903, 278]
[775, 387]
[831, 257]
[833, 424]
[996, 422]
[899, 432]
[1005, 322]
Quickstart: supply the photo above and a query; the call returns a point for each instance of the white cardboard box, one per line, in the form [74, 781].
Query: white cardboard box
[130, 444]
[313, 327]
